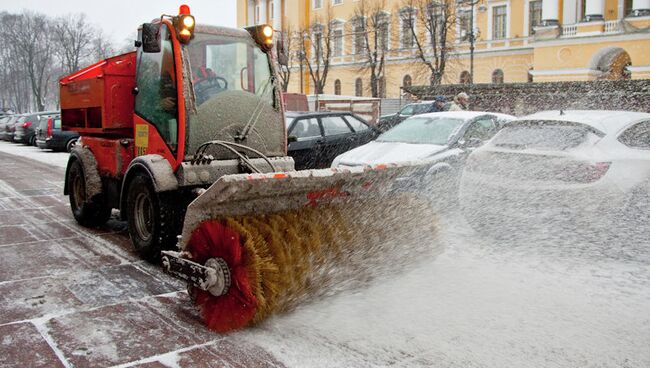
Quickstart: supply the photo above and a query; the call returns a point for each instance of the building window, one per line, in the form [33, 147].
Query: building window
[359, 33]
[337, 2]
[408, 26]
[499, 22]
[317, 4]
[383, 22]
[534, 15]
[465, 77]
[337, 42]
[271, 10]
[317, 41]
[406, 81]
[497, 76]
[358, 87]
[257, 13]
[337, 87]
[464, 24]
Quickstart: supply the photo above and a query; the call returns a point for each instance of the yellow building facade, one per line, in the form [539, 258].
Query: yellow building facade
[514, 41]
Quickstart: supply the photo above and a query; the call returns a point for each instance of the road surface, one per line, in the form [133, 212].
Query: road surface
[74, 297]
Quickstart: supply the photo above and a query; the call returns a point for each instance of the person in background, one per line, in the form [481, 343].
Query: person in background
[461, 102]
[440, 102]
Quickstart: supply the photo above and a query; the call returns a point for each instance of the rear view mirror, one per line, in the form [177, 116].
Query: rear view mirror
[283, 58]
[150, 38]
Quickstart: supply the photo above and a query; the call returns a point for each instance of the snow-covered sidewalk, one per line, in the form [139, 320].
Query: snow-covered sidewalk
[59, 159]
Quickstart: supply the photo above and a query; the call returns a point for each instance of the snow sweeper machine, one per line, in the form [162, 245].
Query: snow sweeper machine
[186, 137]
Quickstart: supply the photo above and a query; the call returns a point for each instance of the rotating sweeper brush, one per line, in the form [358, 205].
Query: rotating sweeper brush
[255, 245]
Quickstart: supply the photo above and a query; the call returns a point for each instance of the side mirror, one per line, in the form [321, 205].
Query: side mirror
[469, 143]
[150, 38]
[283, 58]
[291, 139]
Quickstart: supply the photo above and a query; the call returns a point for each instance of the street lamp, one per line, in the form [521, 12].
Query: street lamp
[471, 37]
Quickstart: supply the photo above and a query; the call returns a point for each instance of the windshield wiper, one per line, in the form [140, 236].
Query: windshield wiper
[257, 112]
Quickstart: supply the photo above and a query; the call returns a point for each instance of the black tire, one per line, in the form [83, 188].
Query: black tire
[88, 212]
[155, 219]
[32, 141]
[69, 144]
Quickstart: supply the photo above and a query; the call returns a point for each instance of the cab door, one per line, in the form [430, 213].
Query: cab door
[156, 101]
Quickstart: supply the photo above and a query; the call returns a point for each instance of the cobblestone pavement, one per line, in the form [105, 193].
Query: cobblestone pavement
[70, 296]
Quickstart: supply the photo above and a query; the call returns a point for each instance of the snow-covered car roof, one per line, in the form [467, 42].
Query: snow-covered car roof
[604, 120]
[465, 115]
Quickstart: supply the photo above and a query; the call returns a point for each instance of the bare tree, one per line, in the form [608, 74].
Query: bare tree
[432, 46]
[315, 49]
[371, 40]
[288, 36]
[73, 38]
[31, 44]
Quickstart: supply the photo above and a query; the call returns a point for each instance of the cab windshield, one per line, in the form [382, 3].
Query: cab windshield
[222, 63]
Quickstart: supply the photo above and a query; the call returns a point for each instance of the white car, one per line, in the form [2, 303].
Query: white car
[443, 138]
[560, 168]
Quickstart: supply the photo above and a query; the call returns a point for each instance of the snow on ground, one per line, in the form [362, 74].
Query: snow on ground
[59, 159]
[478, 305]
[482, 303]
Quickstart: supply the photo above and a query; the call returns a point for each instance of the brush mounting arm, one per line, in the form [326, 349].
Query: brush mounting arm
[213, 277]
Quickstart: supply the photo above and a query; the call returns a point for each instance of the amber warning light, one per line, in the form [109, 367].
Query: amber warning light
[263, 35]
[184, 23]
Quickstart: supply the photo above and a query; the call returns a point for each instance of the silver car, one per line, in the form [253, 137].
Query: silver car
[554, 169]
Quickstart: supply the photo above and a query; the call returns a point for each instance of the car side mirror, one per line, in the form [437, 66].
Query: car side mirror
[469, 143]
[150, 38]
[291, 139]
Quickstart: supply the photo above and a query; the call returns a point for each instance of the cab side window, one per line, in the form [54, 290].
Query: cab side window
[305, 129]
[156, 81]
[637, 136]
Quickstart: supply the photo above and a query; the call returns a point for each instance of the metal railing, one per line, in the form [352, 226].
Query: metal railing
[613, 26]
[569, 30]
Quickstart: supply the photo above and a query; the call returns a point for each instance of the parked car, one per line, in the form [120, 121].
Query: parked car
[560, 168]
[444, 139]
[10, 131]
[316, 138]
[388, 121]
[50, 136]
[25, 131]
[3, 125]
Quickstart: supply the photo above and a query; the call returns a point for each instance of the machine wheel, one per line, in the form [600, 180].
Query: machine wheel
[70, 144]
[88, 212]
[154, 219]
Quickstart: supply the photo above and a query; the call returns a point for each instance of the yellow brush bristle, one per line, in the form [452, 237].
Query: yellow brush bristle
[296, 255]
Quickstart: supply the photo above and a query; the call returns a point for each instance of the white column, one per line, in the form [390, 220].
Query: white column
[251, 12]
[594, 10]
[262, 11]
[570, 12]
[550, 13]
[640, 8]
[277, 14]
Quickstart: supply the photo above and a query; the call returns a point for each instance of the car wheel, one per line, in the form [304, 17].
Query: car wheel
[154, 219]
[70, 144]
[89, 212]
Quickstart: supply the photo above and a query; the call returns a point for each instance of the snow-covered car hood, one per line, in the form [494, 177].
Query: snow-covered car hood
[387, 152]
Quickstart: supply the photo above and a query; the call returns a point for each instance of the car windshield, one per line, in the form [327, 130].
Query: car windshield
[222, 63]
[423, 131]
[542, 136]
